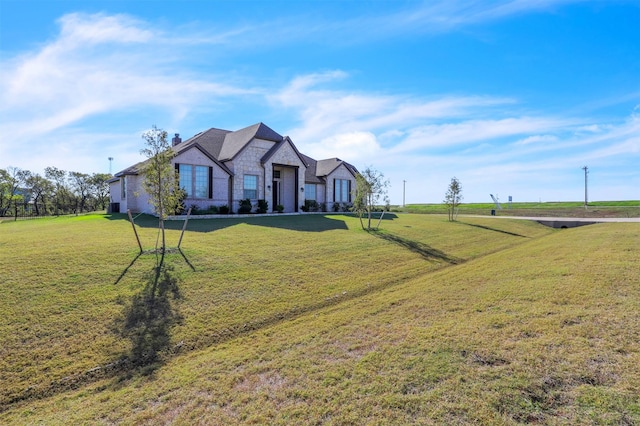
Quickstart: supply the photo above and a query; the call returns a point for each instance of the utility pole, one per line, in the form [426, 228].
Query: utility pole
[586, 198]
[404, 184]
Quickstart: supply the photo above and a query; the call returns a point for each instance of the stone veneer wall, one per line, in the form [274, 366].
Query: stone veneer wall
[220, 179]
[248, 162]
[340, 173]
[287, 156]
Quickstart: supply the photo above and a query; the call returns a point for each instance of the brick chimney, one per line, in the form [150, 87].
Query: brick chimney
[176, 140]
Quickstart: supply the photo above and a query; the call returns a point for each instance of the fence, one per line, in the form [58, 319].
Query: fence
[29, 210]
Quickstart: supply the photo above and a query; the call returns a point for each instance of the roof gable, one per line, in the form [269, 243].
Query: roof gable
[326, 167]
[211, 140]
[277, 147]
[235, 142]
[208, 155]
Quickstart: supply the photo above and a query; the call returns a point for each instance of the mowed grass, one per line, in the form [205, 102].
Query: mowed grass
[311, 320]
[595, 209]
[73, 284]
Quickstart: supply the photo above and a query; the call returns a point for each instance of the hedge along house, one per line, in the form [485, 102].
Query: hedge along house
[221, 167]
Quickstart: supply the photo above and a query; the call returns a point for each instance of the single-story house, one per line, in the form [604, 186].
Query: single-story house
[221, 167]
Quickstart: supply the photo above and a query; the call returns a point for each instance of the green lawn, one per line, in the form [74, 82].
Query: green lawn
[309, 319]
[547, 209]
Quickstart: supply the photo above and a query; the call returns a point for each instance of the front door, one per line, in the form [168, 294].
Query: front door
[276, 195]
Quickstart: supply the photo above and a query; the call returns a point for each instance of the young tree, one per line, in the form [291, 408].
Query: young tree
[453, 198]
[371, 186]
[160, 180]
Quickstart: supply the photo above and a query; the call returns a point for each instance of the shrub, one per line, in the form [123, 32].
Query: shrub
[245, 206]
[311, 206]
[224, 209]
[208, 210]
[279, 208]
[263, 206]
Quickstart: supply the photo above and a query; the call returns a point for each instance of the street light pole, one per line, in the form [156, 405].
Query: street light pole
[404, 184]
[586, 198]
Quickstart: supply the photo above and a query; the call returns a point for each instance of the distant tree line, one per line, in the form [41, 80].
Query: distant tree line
[24, 193]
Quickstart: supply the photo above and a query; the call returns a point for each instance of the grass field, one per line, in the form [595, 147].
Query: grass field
[309, 319]
[546, 209]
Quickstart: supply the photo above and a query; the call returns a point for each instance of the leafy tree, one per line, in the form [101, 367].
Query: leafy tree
[40, 189]
[10, 181]
[371, 187]
[100, 188]
[62, 194]
[160, 180]
[5, 192]
[453, 198]
[80, 183]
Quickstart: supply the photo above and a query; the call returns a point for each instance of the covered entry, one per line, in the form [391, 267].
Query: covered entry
[284, 187]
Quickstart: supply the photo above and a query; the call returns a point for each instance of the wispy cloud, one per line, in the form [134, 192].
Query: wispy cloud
[109, 67]
[327, 111]
[404, 123]
[429, 17]
[475, 137]
[367, 24]
[97, 64]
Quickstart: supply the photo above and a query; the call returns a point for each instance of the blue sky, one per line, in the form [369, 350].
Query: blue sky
[513, 97]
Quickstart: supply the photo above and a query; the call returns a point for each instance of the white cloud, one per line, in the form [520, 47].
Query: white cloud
[100, 67]
[80, 29]
[537, 139]
[450, 134]
[324, 113]
[351, 145]
[482, 140]
[439, 16]
[98, 64]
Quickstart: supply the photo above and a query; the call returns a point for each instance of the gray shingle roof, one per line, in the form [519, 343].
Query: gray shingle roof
[278, 145]
[211, 140]
[132, 170]
[234, 142]
[223, 145]
[326, 167]
[310, 175]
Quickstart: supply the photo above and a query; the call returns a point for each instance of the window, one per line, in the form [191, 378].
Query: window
[195, 180]
[310, 191]
[124, 187]
[202, 182]
[276, 174]
[186, 178]
[341, 190]
[250, 187]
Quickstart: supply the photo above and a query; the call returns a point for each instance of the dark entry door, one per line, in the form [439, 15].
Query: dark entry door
[275, 202]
